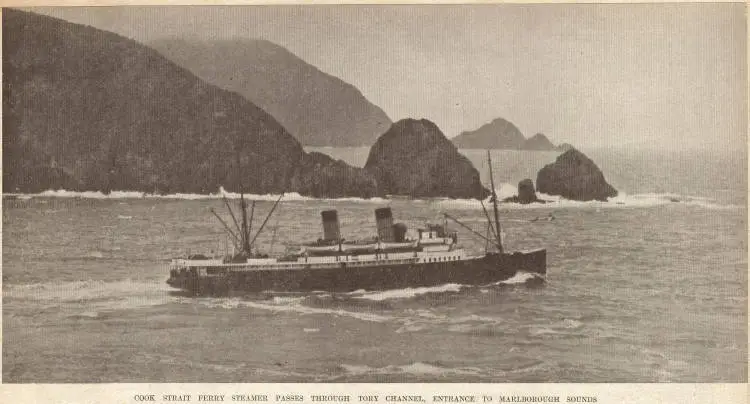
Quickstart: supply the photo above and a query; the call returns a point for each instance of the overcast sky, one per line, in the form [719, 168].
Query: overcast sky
[592, 75]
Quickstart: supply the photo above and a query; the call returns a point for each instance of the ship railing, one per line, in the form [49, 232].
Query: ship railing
[320, 265]
[196, 263]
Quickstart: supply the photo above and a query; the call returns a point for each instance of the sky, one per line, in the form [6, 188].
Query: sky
[596, 75]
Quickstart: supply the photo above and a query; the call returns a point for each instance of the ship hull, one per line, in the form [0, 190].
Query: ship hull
[474, 271]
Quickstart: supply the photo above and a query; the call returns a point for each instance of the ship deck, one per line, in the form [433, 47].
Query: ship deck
[302, 262]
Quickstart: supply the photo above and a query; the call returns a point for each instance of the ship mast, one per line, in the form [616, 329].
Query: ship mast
[495, 230]
[245, 227]
[494, 206]
[264, 221]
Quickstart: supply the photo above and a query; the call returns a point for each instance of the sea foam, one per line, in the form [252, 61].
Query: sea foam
[505, 190]
[405, 293]
[221, 193]
[90, 295]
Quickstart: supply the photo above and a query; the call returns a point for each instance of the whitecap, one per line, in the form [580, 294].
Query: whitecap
[288, 305]
[221, 193]
[405, 293]
[415, 368]
[622, 200]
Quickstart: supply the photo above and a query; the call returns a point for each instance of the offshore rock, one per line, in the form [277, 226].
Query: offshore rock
[526, 193]
[574, 176]
[414, 158]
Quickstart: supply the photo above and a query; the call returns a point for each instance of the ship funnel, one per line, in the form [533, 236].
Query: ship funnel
[330, 225]
[399, 232]
[384, 222]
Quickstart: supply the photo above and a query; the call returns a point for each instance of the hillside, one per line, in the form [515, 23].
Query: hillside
[315, 107]
[85, 109]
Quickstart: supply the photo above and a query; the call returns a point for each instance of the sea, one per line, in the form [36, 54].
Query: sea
[650, 286]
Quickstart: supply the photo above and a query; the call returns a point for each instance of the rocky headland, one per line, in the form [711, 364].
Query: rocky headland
[538, 142]
[498, 134]
[89, 110]
[502, 134]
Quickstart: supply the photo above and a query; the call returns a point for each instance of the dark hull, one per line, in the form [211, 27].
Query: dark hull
[480, 271]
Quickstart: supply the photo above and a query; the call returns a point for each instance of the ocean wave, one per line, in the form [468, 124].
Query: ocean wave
[520, 278]
[221, 193]
[408, 320]
[416, 368]
[405, 293]
[505, 190]
[286, 306]
[419, 320]
[622, 200]
[566, 328]
[92, 295]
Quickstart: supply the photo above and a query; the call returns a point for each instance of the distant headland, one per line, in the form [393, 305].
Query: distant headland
[502, 134]
[316, 108]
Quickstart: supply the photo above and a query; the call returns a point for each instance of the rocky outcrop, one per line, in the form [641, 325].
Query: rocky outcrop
[538, 142]
[89, 110]
[526, 193]
[323, 177]
[414, 158]
[498, 134]
[574, 176]
[316, 108]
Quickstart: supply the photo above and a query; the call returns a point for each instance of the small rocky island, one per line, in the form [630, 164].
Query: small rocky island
[574, 176]
[415, 158]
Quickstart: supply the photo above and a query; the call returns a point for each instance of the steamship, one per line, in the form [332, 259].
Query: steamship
[388, 261]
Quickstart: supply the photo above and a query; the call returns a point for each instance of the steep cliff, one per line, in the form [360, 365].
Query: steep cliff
[85, 109]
